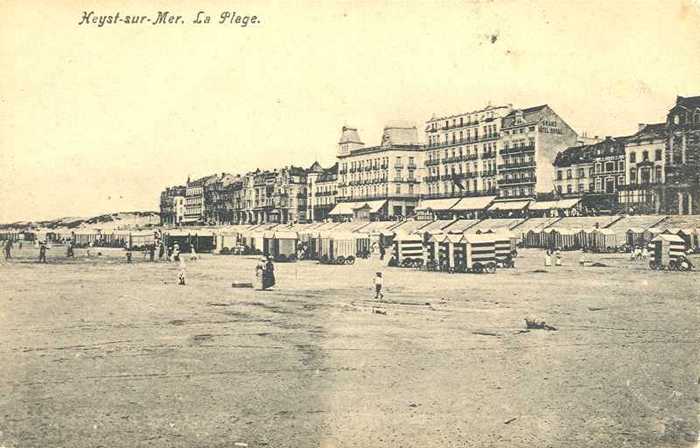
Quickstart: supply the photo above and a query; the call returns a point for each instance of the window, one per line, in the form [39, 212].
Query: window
[620, 166]
[609, 166]
[581, 173]
[658, 155]
[633, 175]
[633, 157]
[398, 188]
[598, 167]
[410, 189]
[581, 188]
[559, 175]
[645, 155]
[568, 174]
[569, 189]
[658, 174]
[590, 172]
[559, 189]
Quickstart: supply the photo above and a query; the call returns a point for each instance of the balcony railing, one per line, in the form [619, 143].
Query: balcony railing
[431, 162]
[488, 155]
[459, 194]
[522, 180]
[509, 166]
[327, 193]
[639, 186]
[507, 151]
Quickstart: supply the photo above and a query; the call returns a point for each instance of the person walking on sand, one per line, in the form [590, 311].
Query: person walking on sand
[382, 251]
[8, 249]
[378, 284]
[181, 272]
[193, 253]
[259, 274]
[42, 252]
[547, 258]
[557, 258]
[269, 274]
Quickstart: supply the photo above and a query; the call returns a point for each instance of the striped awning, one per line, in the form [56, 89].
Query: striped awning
[509, 205]
[473, 204]
[437, 204]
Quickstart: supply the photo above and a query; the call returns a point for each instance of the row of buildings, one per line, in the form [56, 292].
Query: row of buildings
[499, 156]
[655, 170]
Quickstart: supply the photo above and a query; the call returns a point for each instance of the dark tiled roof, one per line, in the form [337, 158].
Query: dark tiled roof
[329, 174]
[588, 153]
[650, 131]
[534, 109]
[315, 168]
[691, 102]
[530, 116]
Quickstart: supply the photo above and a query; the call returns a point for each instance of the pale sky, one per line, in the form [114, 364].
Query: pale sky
[96, 120]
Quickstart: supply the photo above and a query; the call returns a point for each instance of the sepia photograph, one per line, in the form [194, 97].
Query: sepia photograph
[391, 223]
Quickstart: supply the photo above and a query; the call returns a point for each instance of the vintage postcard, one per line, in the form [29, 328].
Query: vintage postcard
[469, 223]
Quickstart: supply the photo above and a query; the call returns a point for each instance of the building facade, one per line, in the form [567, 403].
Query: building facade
[322, 188]
[531, 140]
[645, 170]
[461, 153]
[172, 205]
[276, 196]
[218, 199]
[195, 206]
[681, 191]
[498, 150]
[384, 178]
[595, 172]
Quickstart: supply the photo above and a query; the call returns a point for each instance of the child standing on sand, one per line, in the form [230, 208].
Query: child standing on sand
[181, 272]
[378, 283]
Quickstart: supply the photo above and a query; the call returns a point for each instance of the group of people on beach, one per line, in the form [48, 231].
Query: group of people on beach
[265, 274]
[552, 254]
[639, 253]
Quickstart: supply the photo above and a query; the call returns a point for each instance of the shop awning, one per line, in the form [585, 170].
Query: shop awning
[437, 204]
[562, 204]
[374, 206]
[347, 208]
[510, 205]
[343, 208]
[473, 204]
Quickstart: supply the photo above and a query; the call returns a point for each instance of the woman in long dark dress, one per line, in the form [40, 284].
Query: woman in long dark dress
[269, 275]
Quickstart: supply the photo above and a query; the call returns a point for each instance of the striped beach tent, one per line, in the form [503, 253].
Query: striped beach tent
[479, 251]
[604, 240]
[284, 243]
[408, 246]
[665, 249]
